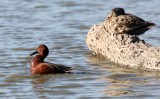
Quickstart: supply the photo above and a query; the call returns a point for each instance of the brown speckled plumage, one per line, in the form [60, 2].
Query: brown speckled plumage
[119, 22]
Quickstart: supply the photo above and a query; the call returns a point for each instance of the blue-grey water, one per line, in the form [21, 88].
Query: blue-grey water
[63, 25]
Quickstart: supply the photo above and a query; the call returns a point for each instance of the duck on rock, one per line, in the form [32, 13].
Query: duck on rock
[119, 22]
[38, 66]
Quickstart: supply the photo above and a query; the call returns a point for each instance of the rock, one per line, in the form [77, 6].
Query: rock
[124, 49]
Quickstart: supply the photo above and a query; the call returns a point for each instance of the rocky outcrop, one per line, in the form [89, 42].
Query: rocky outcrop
[124, 49]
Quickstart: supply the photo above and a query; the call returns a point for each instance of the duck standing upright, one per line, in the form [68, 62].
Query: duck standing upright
[38, 66]
[119, 22]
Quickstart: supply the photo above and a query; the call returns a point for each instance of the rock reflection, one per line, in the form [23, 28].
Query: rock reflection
[122, 81]
[117, 87]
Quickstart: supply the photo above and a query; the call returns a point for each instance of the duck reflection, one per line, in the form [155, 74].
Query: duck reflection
[38, 81]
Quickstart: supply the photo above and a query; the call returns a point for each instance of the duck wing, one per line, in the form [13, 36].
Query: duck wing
[128, 23]
[60, 68]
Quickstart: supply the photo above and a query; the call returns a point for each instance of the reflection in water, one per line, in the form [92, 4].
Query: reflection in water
[51, 84]
[122, 81]
[37, 81]
[63, 25]
[117, 87]
[37, 84]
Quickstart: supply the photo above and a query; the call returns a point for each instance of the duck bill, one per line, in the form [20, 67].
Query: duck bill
[33, 53]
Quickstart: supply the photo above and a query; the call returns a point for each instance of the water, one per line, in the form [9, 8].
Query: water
[62, 25]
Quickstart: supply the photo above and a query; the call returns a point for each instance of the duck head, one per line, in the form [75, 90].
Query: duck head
[42, 50]
[118, 11]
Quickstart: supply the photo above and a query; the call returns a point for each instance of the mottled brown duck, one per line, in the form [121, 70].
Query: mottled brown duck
[119, 22]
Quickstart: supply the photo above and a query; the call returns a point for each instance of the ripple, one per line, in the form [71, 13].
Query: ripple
[63, 26]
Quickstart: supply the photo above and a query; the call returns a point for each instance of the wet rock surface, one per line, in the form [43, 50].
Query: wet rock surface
[124, 49]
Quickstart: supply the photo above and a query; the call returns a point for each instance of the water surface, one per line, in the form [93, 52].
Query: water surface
[63, 25]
